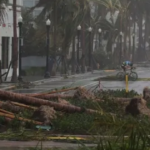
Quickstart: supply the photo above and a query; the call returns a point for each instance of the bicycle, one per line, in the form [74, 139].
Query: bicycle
[133, 76]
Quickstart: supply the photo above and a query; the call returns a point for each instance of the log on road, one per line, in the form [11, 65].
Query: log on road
[5, 95]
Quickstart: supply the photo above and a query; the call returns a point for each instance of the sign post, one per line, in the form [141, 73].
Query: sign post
[127, 89]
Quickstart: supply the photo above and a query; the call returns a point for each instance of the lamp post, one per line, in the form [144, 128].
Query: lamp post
[47, 73]
[120, 47]
[99, 31]
[20, 46]
[133, 50]
[90, 48]
[78, 47]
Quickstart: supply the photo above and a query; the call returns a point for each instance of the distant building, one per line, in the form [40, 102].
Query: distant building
[31, 3]
[6, 35]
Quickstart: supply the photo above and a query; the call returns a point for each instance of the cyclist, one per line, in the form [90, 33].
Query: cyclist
[126, 64]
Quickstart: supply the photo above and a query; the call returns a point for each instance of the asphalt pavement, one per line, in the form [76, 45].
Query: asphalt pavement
[87, 80]
[60, 82]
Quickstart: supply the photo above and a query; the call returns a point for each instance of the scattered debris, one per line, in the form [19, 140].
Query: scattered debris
[24, 85]
[64, 102]
[83, 94]
[45, 105]
[5, 95]
[146, 93]
[45, 114]
[138, 106]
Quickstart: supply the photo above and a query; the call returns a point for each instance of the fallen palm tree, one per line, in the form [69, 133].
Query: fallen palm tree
[19, 118]
[24, 106]
[51, 92]
[7, 112]
[11, 107]
[15, 106]
[53, 96]
[5, 95]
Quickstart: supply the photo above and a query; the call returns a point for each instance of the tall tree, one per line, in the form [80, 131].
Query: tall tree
[15, 51]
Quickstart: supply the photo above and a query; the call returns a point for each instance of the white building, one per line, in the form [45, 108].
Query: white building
[6, 36]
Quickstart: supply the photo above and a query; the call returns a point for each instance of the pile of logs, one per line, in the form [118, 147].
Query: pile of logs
[41, 104]
[45, 105]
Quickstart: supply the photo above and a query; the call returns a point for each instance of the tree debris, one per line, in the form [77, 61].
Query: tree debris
[45, 114]
[83, 94]
[137, 106]
[39, 102]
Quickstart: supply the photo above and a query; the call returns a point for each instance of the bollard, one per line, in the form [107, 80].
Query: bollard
[127, 90]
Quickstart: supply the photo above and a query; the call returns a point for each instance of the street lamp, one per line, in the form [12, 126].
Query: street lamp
[20, 46]
[120, 47]
[90, 48]
[47, 73]
[133, 38]
[99, 31]
[78, 34]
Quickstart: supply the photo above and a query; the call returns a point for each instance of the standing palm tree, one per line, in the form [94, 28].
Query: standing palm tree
[14, 53]
[65, 17]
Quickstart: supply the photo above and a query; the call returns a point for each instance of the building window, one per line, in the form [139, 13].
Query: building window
[5, 52]
[28, 3]
[13, 57]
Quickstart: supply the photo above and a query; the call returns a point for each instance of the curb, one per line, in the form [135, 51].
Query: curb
[59, 78]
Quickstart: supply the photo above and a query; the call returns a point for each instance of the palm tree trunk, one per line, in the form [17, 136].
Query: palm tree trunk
[14, 52]
[140, 54]
[146, 33]
[129, 36]
[73, 55]
[125, 38]
[83, 47]
[5, 95]
[54, 36]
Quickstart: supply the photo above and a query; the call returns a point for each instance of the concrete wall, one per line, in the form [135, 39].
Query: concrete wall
[33, 61]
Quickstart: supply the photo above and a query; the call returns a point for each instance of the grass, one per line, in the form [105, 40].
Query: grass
[114, 129]
[114, 78]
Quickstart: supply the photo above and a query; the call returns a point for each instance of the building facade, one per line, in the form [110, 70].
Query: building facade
[6, 36]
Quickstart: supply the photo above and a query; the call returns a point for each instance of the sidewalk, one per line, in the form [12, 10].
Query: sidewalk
[16, 145]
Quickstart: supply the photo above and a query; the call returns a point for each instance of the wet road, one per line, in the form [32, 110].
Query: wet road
[71, 81]
[87, 80]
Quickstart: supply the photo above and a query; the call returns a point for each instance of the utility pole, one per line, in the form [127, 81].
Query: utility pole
[14, 50]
